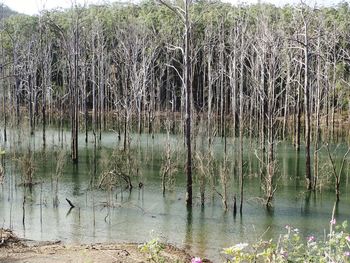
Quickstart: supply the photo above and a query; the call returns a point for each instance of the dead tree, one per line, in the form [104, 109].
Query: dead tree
[184, 15]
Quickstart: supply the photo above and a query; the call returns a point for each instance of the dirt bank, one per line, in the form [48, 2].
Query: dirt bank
[13, 249]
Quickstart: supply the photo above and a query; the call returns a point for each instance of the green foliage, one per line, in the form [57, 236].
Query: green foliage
[153, 250]
[292, 247]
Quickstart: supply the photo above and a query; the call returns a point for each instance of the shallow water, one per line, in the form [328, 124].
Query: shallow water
[144, 213]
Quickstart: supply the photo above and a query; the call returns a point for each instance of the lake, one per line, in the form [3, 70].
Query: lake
[144, 213]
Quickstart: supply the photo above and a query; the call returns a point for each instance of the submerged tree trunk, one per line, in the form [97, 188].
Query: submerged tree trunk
[74, 89]
[307, 110]
[241, 101]
[187, 86]
[317, 128]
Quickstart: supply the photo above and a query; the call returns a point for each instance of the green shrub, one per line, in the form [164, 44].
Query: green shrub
[292, 247]
[153, 249]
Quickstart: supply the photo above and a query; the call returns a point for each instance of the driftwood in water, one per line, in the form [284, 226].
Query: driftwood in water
[70, 203]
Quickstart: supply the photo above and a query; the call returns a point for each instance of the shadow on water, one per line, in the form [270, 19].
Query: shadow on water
[202, 238]
[76, 180]
[189, 227]
[306, 208]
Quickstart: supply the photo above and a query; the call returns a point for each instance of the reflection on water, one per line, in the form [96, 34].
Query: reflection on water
[203, 230]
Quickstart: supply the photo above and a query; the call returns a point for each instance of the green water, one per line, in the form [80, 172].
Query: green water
[144, 213]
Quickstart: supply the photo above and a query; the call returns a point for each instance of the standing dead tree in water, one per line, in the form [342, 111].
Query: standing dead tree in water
[26, 164]
[307, 108]
[337, 174]
[204, 162]
[270, 49]
[244, 44]
[302, 41]
[224, 179]
[183, 14]
[73, 60]
[118, 170]
[60, 164]
[169, 164]
[70, 48]
[203, 167]
[134, 59]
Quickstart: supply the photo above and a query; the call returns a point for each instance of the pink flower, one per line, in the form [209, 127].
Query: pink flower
[347, 254]
[348, 238]
[311, 239]
[333, 221]
[196, 260]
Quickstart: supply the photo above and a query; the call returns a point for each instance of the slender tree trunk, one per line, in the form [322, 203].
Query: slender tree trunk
[317, 128]
[298, 119]
[187, 83]
[209, 95]
[241, 101]
[286, 99]
[233, 85]
[2, 82]
[75, 95]
[31, 115]
[307, 111]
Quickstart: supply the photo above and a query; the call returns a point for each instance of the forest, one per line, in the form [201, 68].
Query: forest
[259, 71]
[248, 76]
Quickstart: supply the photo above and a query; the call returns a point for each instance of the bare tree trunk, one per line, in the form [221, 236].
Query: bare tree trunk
[307, 110]
[222, 72]
[298, 120]
[187, 83]
[75, 94]
[31, 115]
[2, 81]
[93, 80]
[333, 93]
[210, 96]
[233, 84]
[241, 101]
[317, 128]
[286, 99]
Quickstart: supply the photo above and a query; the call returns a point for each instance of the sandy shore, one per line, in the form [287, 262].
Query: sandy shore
[13, 249]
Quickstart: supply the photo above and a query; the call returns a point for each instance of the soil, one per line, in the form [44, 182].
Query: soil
[14, 249]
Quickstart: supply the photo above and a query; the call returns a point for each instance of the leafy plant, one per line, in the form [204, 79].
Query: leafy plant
[292, 247]
[153, 248]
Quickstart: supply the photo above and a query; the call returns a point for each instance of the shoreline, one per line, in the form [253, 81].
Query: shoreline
[14, 249]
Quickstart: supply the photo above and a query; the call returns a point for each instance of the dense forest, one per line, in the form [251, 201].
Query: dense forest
[199, 69]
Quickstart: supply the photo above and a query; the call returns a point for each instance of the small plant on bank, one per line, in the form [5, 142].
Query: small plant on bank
[153, 249]
[292, 247]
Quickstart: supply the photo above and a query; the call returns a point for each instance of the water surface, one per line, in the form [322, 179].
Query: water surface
[142, 214]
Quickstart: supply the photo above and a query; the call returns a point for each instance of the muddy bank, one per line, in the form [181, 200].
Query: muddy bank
[14, 249]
